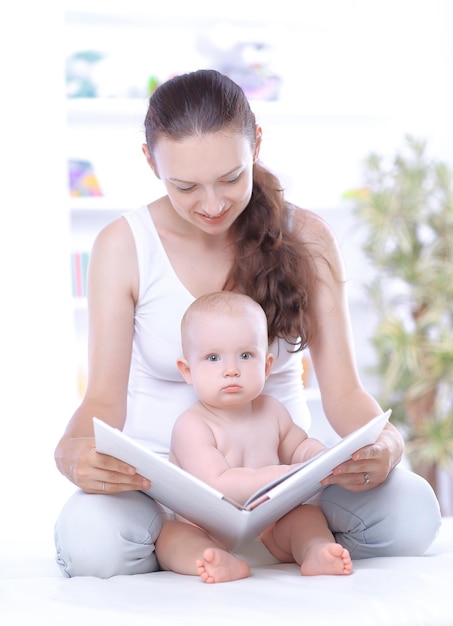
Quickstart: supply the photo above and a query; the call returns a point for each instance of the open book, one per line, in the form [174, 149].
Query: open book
[231, 523]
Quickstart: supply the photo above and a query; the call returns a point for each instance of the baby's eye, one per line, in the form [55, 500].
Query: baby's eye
[245, 356]
[213, 357]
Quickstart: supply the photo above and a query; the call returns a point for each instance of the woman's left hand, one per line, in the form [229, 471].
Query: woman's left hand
[368, 468]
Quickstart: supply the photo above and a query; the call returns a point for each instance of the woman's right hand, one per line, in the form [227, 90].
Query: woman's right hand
[78, 460]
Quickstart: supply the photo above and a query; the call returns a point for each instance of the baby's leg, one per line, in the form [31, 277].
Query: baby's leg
[187, 549]
[304, 537]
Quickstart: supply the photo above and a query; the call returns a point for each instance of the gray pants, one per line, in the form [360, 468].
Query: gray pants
[103, 536]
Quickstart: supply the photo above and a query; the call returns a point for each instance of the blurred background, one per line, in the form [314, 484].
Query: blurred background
[330, 84]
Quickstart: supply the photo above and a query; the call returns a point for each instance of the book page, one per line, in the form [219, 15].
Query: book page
[329, 458]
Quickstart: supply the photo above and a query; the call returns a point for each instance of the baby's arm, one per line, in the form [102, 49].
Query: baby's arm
[194, 449]
[295, 445]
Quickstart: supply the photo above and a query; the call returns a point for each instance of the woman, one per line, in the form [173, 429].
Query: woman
[223, 224]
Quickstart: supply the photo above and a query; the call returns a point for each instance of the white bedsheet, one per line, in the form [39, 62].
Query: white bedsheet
[380, 592]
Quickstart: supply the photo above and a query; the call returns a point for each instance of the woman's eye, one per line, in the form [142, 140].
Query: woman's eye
[185, 188]
[233, 180]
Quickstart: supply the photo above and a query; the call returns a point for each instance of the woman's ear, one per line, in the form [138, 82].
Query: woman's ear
[258, 137]
[150, 159]
[184, 369]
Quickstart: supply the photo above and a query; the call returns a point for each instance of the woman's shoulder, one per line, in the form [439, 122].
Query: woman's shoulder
[128, 229]
[317, 236]
[310, 226]
[115, 235]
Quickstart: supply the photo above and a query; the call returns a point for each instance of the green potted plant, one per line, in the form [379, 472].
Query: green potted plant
[405, 211]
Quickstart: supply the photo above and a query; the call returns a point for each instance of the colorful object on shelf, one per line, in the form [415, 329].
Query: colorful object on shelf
[80, 79]
[153, 84]
[247, 61]
[79, 267]
[82, 179]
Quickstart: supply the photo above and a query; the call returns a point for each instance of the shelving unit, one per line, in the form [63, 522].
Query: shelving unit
[303, 135]
[109, 133]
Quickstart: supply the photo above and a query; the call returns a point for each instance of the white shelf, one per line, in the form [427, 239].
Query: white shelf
[133, 110]
[106, 110]
[98, 204]
[141, 13]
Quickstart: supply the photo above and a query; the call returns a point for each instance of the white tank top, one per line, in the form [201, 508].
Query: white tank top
[157, 393]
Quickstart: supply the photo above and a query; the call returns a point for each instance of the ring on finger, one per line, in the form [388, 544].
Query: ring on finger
[366, 479]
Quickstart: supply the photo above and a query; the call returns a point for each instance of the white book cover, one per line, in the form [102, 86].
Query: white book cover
[231, 523]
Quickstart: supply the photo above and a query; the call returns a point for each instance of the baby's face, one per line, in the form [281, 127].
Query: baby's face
[228, 358]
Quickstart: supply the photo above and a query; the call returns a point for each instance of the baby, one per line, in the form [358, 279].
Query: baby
[236, 439]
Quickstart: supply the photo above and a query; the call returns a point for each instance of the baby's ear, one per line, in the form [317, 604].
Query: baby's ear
[269, 363]
[184, 369]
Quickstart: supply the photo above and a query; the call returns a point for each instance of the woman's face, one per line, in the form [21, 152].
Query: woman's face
[208, 178]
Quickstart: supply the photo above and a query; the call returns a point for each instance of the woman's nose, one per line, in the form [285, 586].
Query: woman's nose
[212, 204]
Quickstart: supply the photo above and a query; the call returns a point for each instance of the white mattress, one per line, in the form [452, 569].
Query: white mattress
[380, 592]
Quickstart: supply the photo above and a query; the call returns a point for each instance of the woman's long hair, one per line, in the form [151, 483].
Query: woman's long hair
[271, 265]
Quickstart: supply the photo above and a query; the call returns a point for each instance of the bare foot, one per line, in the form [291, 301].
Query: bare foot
[219, 566]
[326, 558]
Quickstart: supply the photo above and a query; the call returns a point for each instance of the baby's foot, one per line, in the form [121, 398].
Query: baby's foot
[219, 566]
[326, 558]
